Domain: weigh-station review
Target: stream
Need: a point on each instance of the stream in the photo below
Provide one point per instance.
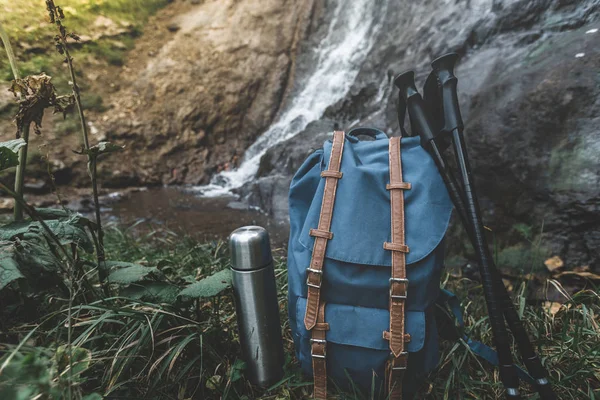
(204, 218)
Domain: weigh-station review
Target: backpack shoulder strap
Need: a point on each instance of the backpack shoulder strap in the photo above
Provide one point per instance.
(398, 282)
(314, 319)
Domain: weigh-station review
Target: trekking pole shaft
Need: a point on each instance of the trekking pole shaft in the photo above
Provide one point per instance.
(444, 70)
(508, 374)
(530, 358)
(451, 186)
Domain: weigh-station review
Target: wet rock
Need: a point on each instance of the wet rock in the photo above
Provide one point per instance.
(285, 158)
(211, 90)
(270, 193)
(278, 165)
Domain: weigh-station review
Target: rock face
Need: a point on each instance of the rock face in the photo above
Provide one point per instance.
(530, 96)
(209, 91)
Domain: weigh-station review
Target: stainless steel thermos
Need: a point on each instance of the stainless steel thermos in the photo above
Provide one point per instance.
(256, 304)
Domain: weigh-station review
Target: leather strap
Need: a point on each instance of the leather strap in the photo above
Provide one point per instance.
(315, 270)
(398, 282)
(396, 247)
(314, 319)
(319, 233)
(331, 174)
(395, 369)
(318, 351)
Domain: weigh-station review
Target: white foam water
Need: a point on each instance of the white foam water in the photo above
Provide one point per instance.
(337, 60)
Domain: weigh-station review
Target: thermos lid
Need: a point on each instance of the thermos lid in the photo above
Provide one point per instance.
(250, 248)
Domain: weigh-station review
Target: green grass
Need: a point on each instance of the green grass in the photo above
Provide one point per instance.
(27, 24)
(159, 351)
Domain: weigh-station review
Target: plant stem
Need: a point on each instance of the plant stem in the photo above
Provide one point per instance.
(24, 130)
(77, 95)
(70, 325)
(92, 164)
(20, 174)
(100, 250)
(11, 56)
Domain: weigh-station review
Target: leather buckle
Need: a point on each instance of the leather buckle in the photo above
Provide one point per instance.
(319, 273)
(321, 341)
(399, 296)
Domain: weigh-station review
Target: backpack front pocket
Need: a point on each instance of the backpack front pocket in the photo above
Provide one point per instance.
(355, 342)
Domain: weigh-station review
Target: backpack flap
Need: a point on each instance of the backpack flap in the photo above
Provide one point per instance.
(361, 217)
(362, 327)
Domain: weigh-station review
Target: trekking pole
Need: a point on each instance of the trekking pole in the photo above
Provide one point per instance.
(401, 113)
(453, 124)
(443, 68)
(419, 117)
(417, 112)
(420, 123)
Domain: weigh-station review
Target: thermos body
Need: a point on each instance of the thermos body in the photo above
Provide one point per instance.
(256, 305)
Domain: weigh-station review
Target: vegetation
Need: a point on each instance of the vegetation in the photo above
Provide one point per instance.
(109, 26)
(88, 312)
(147, 342)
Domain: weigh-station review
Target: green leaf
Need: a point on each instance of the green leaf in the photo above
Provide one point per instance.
(131, 274)
(69, 232)
(66, 231)
(80, 220)
(14, 229)
(209, 287)
(52, 213)
(151, 291)
(119, 264)
(92, 396)
(237, 370)
(9, 153)
(80, 359)
(9, 269)
(34, 255)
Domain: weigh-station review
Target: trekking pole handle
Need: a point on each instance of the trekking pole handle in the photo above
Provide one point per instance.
(405, 82)
(444, 70)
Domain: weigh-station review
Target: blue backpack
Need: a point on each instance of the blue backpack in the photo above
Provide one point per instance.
(365, 256)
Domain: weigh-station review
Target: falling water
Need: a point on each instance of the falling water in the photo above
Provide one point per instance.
(338, 58)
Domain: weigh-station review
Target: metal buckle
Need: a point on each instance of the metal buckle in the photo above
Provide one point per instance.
(404, 353)
(319, 273)
(324, 342)
(402, 280)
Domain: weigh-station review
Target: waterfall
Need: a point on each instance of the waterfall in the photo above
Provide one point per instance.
(337, 60)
